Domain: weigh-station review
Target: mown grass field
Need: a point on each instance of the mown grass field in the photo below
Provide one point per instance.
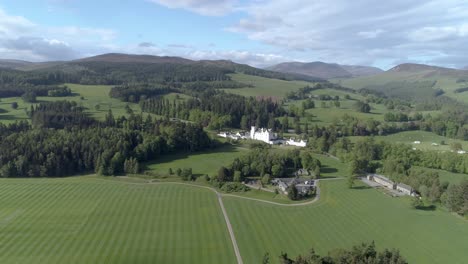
(93, 95)
(343, 218)
(426, 139)
(90, 220)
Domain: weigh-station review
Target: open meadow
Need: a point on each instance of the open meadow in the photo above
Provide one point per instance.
(425, 138)
(265, 86)
(95, 98)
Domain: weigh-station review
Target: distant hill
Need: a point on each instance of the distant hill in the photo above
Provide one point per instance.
(26, 65)
(357, 70)
(324, 70)
(409, 80)
(117, 68)
(131, 58)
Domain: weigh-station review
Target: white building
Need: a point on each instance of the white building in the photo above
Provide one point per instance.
(262, 134)
(461, 152)
(417, 142)
(406, 189)
(235, 136)
(300, 143)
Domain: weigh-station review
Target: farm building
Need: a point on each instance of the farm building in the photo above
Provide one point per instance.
(406, 189)
(382, 180)
(300, 143)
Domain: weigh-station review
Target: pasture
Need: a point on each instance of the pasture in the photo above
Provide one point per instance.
(342, 218)
(92, 220)
(96, 100)
(265, 86)
(426, 138)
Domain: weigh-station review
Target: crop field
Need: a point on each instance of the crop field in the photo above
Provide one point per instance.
(96, 100)
(265, 86)
(90, 220)
(426, 139)
(342, 218)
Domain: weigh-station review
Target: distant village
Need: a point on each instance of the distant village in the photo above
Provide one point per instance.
(265, 135)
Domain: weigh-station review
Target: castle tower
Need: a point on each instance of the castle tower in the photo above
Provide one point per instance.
(252, 132)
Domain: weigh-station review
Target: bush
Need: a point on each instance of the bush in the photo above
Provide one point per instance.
(234, 187)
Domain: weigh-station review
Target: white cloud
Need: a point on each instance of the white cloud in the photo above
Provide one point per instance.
(371, 34)
(351, 31)
(203, 7)
(23, 39)
(244, 57)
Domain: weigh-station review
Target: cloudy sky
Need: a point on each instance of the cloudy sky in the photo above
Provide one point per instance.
(257, 32)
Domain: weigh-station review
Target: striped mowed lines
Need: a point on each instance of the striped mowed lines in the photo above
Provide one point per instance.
(343, 218)
(94, 221)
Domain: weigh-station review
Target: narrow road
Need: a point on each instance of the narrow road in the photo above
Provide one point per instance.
(231, 232)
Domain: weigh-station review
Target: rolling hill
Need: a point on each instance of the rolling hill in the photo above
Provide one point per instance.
(410, 80)
(325, 70)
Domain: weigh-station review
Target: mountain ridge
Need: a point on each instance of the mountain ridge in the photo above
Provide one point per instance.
(325, 70)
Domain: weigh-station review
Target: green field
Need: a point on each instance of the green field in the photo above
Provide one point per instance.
(426, 139)
(204, 162)
(447, 176)
(103, 220)
(265, 86)
(343, 218)
(88, 220)
(93, 95)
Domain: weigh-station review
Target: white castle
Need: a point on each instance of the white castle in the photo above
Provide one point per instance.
(263, 134)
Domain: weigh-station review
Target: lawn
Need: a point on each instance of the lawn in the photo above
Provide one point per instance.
(204, 162)
(89, 220)
(343, 218)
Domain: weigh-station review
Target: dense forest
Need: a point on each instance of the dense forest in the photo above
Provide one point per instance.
(110, 147)
(218, 109)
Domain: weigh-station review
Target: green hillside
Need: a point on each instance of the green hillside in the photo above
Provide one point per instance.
(418, 83)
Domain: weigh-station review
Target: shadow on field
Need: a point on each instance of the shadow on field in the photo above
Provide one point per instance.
(326, 169)
(11, 117)
(427, 207)
(362, 187)
(177, 156)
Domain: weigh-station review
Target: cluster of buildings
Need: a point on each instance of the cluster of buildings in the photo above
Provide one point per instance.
(389, 184)
(264, 135)
(303, 186)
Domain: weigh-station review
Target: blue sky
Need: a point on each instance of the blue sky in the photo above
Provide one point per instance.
(257, 32)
